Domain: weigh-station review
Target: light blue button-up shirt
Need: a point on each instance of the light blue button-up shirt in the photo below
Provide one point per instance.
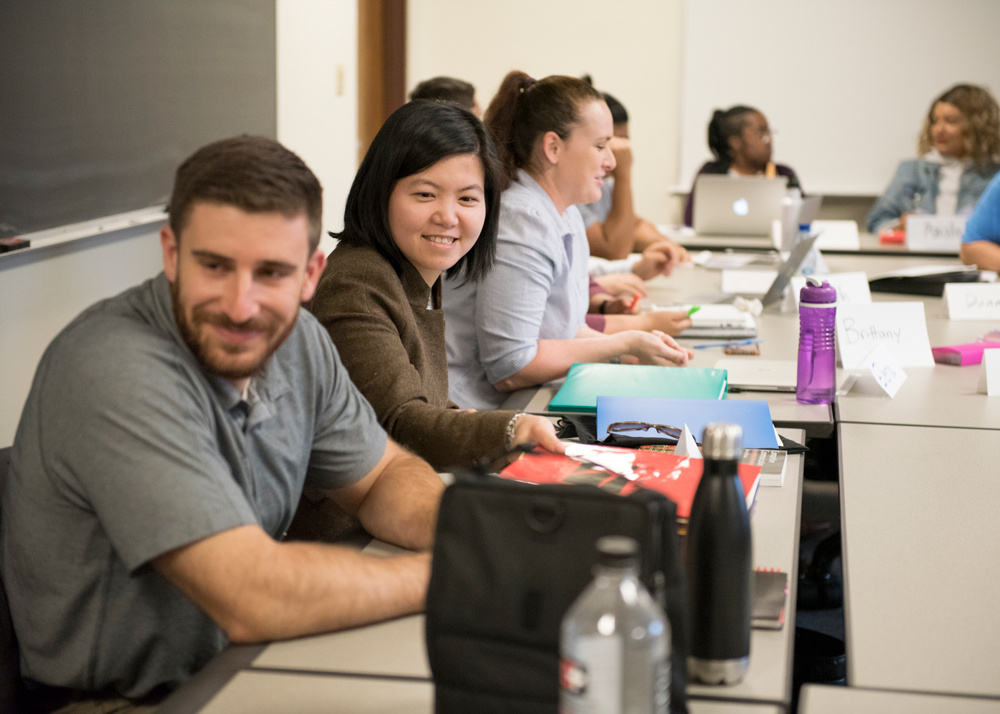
(538, 290)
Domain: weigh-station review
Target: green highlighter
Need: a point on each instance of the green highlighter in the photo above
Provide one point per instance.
(693, 310)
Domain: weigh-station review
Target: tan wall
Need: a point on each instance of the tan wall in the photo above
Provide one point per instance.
(631, 48)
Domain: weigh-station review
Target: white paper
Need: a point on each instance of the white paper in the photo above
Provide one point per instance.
(888, 375)
(917, 271)
(715, 316)
(989, 373)
(900, 325)
(686, 445)
(973, 301)
(852, 288)
(937, 233)
(747, 282)
(836, 235)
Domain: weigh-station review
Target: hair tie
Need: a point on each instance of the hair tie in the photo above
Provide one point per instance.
(527, 83)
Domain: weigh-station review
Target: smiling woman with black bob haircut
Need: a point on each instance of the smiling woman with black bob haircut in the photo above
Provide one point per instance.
(425, 202)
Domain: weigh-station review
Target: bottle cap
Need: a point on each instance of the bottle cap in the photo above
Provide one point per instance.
(722, 442)
(817, 293)
(618, 551)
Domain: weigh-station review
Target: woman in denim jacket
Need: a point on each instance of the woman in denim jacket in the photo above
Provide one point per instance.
(960, 153)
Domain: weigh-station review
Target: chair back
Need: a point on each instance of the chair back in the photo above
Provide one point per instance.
(11, 685)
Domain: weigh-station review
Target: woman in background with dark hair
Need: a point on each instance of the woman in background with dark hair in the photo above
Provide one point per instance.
(959, 151)
(425, 201)
(740, 140)
(523, 324)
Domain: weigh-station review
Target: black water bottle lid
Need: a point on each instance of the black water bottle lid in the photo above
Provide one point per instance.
(618, 551)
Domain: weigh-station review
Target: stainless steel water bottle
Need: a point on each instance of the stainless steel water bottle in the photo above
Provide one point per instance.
(719, 563)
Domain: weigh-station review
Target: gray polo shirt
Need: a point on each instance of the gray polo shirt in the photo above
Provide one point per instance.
(126, 449)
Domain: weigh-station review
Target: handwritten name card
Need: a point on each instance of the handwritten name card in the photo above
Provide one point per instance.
(937, 233)
(888, 375)
(973, 301)
(901, 326)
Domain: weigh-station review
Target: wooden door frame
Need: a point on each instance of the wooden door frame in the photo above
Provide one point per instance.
(381, 65)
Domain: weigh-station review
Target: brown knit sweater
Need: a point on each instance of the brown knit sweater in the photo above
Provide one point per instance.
(393, 346)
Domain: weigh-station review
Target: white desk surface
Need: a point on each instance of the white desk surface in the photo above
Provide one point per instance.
(396, 648)
(820, 699)
(252, 692)
(921, 558)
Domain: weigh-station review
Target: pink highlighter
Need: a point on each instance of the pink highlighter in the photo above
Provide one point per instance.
(962, 355)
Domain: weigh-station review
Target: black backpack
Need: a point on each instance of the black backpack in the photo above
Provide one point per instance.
(509, 560)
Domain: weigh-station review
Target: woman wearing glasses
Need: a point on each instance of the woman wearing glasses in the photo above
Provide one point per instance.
(523, 324)
(740, 140)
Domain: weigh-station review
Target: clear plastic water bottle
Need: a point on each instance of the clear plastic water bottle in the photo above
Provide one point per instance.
(719, 562)
(817, 374)
(813, 263)
(615, 644)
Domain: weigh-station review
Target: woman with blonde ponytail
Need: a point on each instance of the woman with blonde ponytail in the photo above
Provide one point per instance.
(523, 324)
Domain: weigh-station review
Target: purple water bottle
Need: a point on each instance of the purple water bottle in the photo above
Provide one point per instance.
(817, 377)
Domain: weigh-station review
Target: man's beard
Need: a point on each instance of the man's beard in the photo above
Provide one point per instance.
(269, 324)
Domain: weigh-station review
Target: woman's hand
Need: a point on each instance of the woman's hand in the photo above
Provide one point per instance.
(673, 322)
(654, 347)
(617, 283)
(537, 431)
(660, 258)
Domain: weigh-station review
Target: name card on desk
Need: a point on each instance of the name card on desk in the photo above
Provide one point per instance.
(888, 375)
(937, 233)
(989, 373)
(836, 235)
(852, 288)
(901, 326)
(973, 301)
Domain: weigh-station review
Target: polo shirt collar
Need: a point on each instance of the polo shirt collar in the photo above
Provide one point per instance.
(525, 179)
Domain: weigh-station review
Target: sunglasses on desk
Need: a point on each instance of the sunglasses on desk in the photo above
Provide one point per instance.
(622, 426)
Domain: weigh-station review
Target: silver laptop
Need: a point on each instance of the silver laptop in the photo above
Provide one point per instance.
(724, 205)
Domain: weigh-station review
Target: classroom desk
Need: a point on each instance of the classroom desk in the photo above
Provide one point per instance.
(821, 699)
(268, 692)
(921, 546)
(946, 395)
(395, 650)
(868, 245)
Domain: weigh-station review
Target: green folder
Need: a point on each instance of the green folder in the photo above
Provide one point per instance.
(586, 382)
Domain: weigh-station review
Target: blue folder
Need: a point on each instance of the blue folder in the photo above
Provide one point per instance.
(753, 416)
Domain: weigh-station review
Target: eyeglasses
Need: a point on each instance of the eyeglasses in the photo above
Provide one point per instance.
(620, 426)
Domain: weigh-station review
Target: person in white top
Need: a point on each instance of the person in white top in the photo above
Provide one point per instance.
(523, 324)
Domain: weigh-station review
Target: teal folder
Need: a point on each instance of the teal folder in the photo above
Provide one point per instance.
(586, 382)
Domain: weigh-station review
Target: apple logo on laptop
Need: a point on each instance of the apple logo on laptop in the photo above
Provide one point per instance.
(741, 207)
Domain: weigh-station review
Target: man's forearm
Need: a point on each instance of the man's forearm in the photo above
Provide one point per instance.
(620, 223)
(257, 589)
(311, 587)
(402, 506)
(982, 253)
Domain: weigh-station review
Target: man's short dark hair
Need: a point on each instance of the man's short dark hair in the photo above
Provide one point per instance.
(446, 89)
(252, 173)
(415, 137)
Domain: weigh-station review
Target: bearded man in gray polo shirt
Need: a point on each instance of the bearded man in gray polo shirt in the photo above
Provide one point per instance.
(167, 438)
